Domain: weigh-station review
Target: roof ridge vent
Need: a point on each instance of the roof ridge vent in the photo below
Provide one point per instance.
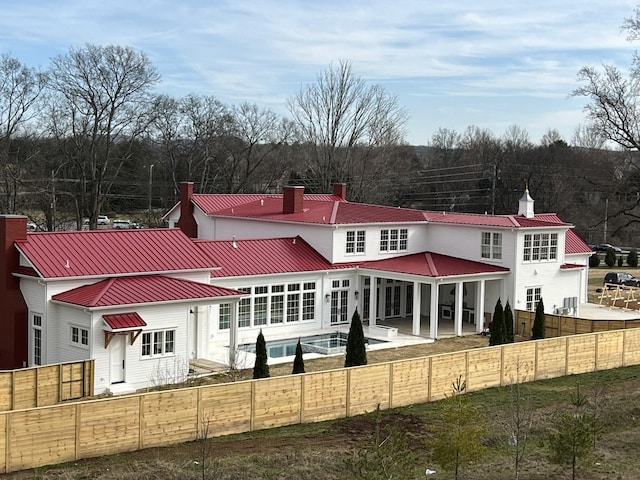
(234, 244)
(67, 265)
(294, 241)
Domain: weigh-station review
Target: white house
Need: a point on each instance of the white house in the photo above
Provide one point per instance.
(429, 266)
(143, 303)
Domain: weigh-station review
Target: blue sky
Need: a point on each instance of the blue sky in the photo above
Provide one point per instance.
(452, 64)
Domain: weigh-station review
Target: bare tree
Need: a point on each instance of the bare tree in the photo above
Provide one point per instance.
(100, 106)
(20, 90)
(345, 122)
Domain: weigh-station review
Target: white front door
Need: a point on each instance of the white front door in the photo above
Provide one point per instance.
(116, 351)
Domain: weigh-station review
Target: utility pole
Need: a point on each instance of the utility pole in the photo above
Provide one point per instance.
(606, 215)
(150, 189)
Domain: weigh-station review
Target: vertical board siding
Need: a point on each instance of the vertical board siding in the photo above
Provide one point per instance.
(368, 388)
(551, 358)
(410, 382)
(24, 395)
(226, 407)
(48, 435)
(581, 352)
(48, 390)
(6, 389)
(108, 425)
(445, 369)
(170, 417)
(325, 395)
(41, 436)
(485, 368)
(277, 402)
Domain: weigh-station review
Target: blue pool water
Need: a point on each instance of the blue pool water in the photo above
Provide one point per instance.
(325, 344)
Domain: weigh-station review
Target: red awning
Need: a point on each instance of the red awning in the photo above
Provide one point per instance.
(124, 320)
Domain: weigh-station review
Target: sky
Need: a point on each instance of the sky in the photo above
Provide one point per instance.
(451, 64)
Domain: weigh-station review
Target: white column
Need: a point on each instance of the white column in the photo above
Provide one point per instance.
(457, 319)
(479, 306)
(373, 300)
(233, 334)
(433, 311)
(416, 307)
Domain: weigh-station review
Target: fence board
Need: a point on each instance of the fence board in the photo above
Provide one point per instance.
(410, 382)
(227, 407)
(41, 436)
(609, 350)
(551, 358)
(369, 388)
(485, 368)
(632, 347)
(108, 426)
(169, 417)
(48, 386)
(325, 395)
(277, 402)
(518, 362)
(6, 389)
(24, 393)
(581, 351)
(445, 369)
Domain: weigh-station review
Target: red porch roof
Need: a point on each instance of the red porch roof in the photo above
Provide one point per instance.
(144, 289)
(432, 265)
(112, 252)
(124, 320)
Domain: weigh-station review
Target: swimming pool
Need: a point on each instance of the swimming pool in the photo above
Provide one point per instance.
(325, 344)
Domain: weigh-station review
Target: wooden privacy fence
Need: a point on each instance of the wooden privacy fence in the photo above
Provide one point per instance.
(47, 385)
(71, 431)
(559, 325)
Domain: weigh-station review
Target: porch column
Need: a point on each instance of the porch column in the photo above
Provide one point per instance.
(233, 335)
(433, 311)
(417, 293)
(479, 315)
(457, 318)
(373, 299)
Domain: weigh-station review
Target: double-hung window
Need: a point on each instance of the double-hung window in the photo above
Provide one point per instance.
(394, 240)
(159, 343)
(491, 246)
(540, 247)
(533, 297)
(355, 242)
(80, 336)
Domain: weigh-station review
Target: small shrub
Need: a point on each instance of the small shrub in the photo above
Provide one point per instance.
(537, 332)
(594, 260)
(610, 257)
(298, 361)
(620, 261)
(356, 347)
(632, 258)
(261, 368)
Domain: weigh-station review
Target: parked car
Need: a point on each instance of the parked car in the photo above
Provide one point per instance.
(31, 226)
(103, 220)
(632, 282)
(603, 247)
(619, 278)
(122, 224)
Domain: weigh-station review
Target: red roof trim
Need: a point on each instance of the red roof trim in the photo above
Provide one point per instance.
(124, 320)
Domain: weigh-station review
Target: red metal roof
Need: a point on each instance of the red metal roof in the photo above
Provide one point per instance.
(124, 320)
(432, 265)
(211, 203)
(509, 221)
(573, 243)
(112, 252)
(143, 289)
(264, 256)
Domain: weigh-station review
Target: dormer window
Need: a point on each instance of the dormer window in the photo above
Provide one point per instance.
(355, 242)
(394, 240)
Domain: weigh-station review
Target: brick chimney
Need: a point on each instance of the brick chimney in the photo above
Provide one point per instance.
(14, 320)
(187, 222)
(340, 190)
(292, 199)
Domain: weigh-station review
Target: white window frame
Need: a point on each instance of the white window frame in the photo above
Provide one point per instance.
(79, 336)
(394, 240)
(36, 323)
(155, 343)
(491, 245)
(540, 247)
(533, 296)
(355, 242)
